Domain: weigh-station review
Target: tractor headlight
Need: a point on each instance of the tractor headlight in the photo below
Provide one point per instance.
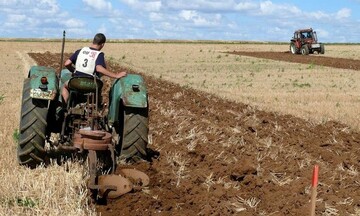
(43, 85)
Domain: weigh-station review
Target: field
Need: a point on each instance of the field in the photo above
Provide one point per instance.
(231, 133)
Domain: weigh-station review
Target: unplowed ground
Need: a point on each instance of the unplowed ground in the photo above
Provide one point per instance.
(217, 157)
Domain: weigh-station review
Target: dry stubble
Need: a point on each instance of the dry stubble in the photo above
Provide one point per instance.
(44, 191)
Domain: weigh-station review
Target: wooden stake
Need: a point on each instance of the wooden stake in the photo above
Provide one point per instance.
(315, 178)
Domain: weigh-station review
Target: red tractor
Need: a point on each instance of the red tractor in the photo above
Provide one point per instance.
(305, 41)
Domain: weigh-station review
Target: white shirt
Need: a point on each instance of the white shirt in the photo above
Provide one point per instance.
(86, 61)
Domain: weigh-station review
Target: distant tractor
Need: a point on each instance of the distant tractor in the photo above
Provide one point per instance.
(305, 41)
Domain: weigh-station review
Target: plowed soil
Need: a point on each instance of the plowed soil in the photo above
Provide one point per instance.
(217, 157)
(307, 59)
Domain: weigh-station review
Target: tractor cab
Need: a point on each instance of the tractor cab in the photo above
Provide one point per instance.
(307, 35)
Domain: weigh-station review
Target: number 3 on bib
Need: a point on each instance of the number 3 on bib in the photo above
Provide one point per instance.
(85, 63)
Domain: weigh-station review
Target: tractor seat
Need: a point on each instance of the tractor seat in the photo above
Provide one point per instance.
(84, 84)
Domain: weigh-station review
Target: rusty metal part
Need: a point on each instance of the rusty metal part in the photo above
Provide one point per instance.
(61, 148)
(138, 178)
(92, 159)
(92, 140)
(106, 186)
(92, 134)
(122, 184)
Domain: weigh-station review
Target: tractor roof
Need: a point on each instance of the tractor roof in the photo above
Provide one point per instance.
(304, 30)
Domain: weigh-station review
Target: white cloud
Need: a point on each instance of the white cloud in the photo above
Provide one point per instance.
(98, 5)
(268, 8)
(16, 18)
(153, 16)
(25, 13)
(245, 6)
(100, 8)
(79, 32)
(144, 5)
(200, 20)
(343, 13)
(188, 14)
(74, 23)
(135, 23)
(41, 19)
(318, 15)
(200, 5)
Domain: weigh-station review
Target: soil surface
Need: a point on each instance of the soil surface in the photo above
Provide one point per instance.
(316, 59)
(217, 157)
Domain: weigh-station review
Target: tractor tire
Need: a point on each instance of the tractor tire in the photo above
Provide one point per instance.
(304, 50)
(135, 134)
(293, 49)
(322, 49)
(33, 124)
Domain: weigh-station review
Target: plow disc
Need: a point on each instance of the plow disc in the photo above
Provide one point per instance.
(138, 178)
(133, 180)
(121, 186)
(110, 185)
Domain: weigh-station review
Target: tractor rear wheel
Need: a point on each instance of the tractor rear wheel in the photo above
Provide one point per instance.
(135, 134)
(294, 50)
(33, 125)
(304, 50)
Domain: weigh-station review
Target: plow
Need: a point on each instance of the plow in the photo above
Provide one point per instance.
(108, 185)
(86, 127)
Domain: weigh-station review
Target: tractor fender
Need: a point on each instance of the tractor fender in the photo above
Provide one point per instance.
(43, 83)
(65, 75)
(129, 91)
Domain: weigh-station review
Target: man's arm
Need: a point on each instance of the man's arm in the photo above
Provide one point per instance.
(72, 60)
(106, 72)
(69, 65)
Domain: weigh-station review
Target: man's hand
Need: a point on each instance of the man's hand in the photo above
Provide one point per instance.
(121, 74)
(104, 71)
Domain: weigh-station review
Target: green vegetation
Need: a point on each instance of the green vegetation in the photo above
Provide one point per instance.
(311, 66)
(16, 135)
(1, 98)
(26, 202)
(300, 85)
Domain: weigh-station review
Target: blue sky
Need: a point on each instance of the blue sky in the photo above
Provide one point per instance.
(265, 20)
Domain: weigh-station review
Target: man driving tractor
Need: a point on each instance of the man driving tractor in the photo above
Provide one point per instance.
(89, 62)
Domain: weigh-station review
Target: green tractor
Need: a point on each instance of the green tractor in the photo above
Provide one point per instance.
(127, 118)
(102, 133)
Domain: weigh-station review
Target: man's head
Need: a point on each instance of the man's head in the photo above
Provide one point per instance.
(99, 39)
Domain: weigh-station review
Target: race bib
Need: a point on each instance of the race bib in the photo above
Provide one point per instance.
(86, 60)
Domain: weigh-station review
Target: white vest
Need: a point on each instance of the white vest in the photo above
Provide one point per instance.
(86, 60)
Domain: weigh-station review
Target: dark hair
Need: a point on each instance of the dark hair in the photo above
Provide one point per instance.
(99, 39)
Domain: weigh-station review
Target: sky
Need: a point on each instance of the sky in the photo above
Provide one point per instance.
(336, 21)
